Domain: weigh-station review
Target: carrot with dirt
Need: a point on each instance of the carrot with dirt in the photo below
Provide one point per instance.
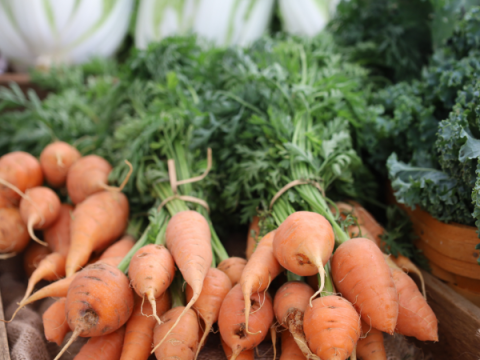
(151, 272)
(259, 272)
(57, 235)
(359, 270)
(188, 239)
(370, 346)
(215, 287)
(303, 244)
(55, 323)
(139, 329)
(290, 349)
(99, 302)
(96, 223)
(105, 347)
(233, 267)
(415, 317)
(332, 327)
(33, 255)
(19, 171)
(55, 160)
(184, 341)
(39, 208)
(253, 234)
(231, 323)
(14, 236)
(289, 305)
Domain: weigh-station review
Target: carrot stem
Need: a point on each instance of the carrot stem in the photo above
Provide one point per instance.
(176, 291)
(294, 277)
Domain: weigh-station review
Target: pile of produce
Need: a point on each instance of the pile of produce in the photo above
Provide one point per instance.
(202, 136)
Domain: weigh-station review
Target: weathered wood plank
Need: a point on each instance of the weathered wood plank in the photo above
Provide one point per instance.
(4, 351)
(458, 323)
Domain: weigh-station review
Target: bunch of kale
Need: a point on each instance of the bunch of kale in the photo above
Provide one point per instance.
(428, 129)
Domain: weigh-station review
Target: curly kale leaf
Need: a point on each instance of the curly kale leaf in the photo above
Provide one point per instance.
(433, 190)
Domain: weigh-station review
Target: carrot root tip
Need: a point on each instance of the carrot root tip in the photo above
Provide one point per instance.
(31, 221)
(74, 336)
(7, 255)
(153, 303)
(321, 271)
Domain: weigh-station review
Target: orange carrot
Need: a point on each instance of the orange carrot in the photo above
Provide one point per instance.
(415, 317)
(332, 327)
(407, 266)
(51, 268)
(5, 203)
(55, 160)
(189, 240)
(151, 272)
(96, 222)
(260, 270)
(215, 287)
(233, 267)
(252, 237)
(181, 344)
(244, 355)
(57, 235)
(19, 171)
(55, 322)
(230, 320)
(39, 209)
(99, 302)
(289, 305)
(87, 176)
(139, 328)
(303, 244)
(118, 250)
(33, 255)
(362, 276)
(105, 347)
(13, 232)
(370, 346)
(290, 349)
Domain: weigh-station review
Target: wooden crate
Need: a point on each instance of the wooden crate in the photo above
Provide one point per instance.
(4, 351)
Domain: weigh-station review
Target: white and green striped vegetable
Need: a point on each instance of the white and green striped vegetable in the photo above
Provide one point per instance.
(44, 32)
(224, 22)
(306, 17)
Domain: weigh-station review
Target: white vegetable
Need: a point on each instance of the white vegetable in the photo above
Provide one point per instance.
(224, 22)
(306, 17)
(42, 32)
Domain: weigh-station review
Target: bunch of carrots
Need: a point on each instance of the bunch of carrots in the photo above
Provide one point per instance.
(163, 293)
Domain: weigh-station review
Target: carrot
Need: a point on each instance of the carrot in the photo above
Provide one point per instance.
(99, 302)
(370, 346)
(57, 235)
(96, 222)
(415, 317)
(303, 244)
(139, 328)
(105, 347)
(363, 277)
(39, 209)
(51, 268)
(253, 233)
(13, 232)
(55, 322)
(407, 266)
(233, 267)
(117, 251)
(290, 349)
(332, 327)
(244, 355)
(19, 171)
(230, 321)
(151, 272)
(260, 270)
(215, 287)
(289, 306)
(183, 343)
(33, 255)
(5, 203)
(188, 238)
(55, 160)
(87, 176)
